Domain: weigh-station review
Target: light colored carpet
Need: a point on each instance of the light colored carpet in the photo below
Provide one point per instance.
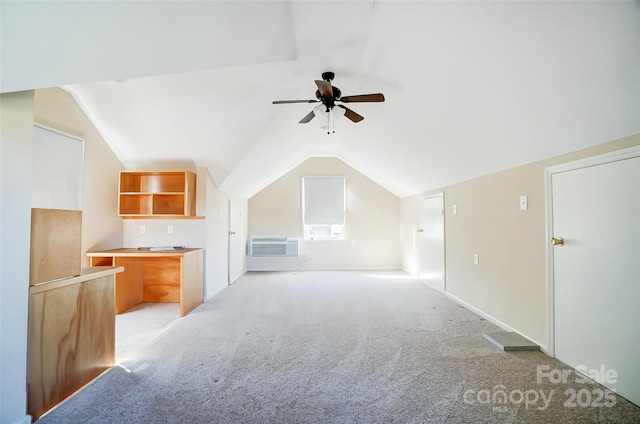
(139, 325)
(332, 347)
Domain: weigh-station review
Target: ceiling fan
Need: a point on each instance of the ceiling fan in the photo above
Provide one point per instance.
(328, 95)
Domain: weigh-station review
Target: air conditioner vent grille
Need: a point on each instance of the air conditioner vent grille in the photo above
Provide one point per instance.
(269, 239)
(274, 246)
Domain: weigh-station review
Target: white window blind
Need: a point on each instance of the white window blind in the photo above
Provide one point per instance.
(324, 200)
(57, 169)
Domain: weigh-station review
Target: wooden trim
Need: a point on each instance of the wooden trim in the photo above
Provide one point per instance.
(191, 282)
(161, 217)
(135, 252)
(129, 290)
(87, 274)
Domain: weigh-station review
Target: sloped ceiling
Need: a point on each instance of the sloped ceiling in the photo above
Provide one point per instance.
(471, 87)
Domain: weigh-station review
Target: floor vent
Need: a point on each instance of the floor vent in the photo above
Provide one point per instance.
(507, 340)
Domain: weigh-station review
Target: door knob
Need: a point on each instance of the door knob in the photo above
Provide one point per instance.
(231, 233)
(557, 241)
(421, 230)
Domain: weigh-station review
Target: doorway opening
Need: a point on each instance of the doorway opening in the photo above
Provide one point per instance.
(431, 242)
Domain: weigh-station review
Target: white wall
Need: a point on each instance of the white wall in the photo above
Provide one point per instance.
(186, 232)
(509, 284)
(245, 232)
(16, 137)
(409, 210)
(372, 221)
(217, 253)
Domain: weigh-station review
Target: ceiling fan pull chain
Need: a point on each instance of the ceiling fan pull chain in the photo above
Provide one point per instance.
(334, 121)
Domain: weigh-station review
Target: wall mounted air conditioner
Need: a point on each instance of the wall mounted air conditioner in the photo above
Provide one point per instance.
(268, 253)
(265, 246)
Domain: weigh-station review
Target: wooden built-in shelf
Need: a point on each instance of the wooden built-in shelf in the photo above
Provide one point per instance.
(157, 194)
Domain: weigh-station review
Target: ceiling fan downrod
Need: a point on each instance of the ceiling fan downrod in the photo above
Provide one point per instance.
(328, 76)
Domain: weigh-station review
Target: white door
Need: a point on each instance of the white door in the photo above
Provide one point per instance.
(236, 251)
(431, 236)
(596, 272)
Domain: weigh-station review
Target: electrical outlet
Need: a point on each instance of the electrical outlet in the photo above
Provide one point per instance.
(143, 229)
(475, 259)
(170, 229)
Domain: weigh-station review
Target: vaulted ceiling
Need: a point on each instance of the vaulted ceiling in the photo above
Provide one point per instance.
(471, 87)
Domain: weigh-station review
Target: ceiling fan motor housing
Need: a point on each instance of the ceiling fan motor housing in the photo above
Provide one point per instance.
(329, 102)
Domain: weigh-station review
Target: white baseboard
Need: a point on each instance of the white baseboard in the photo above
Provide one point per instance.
(215, 292)
(274, 264)
(368, 268)
(494, 320)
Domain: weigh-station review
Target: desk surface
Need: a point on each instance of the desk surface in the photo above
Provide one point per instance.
(142, 252)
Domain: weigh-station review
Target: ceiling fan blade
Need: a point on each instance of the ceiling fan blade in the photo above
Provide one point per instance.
(280, 102)
(376, 97)
(325, 88)
(351, 114)
(307, 118)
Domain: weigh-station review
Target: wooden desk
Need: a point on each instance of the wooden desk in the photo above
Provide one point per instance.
(155, 276)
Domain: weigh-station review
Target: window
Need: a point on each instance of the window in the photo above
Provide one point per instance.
(323, 207)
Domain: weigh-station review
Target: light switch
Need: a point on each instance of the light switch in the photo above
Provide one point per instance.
(455, 209)
(143, 229)
(523, 203)
(475, 259)
(170, 229)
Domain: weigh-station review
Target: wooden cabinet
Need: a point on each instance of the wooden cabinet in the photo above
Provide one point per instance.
(157, 194)
(71, 335)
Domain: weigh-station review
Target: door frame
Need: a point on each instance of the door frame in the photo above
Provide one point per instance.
(238, 233)
(444, 239)
(614, 156)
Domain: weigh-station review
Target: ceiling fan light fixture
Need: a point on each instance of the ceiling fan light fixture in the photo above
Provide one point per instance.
(320, 110)
(338, 112)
